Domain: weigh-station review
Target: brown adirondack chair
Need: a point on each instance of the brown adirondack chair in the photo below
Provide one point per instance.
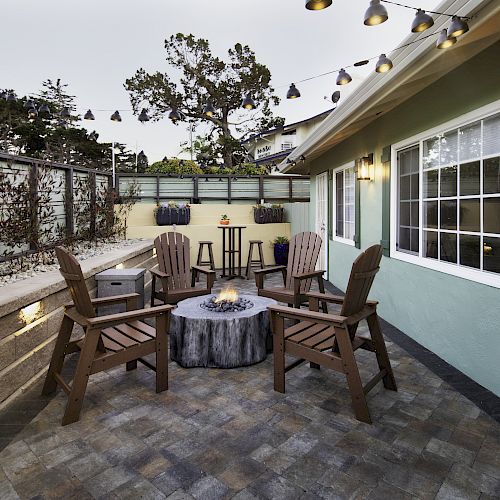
(297, 274)
(108, 341)
(330, 340)
(176, 275)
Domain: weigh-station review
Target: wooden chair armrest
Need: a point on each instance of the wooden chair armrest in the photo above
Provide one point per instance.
(310, 274)
(203, 269)
(305, 315)
(158, 273)
(114, 299)
(268, 270)
(335, 299)
(116, 319)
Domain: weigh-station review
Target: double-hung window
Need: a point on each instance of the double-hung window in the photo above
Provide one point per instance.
(446, 199)
(344, 186)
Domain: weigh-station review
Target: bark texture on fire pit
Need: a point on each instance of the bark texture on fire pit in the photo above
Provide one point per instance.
(199, 337)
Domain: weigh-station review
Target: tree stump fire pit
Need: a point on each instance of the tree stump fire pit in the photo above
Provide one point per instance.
(224, 331)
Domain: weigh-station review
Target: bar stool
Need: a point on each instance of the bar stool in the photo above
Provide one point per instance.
(251, 260)
(200, 261)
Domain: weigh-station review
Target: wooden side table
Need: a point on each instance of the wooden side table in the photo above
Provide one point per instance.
(233, 249)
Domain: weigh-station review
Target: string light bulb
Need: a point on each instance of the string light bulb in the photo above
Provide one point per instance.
(44, 110)
(89, 115)
(143, 116)
(208, 109)
(375, 14)
(444, 41)
(65, 113)
(421, 22)
(318, 4)
(293, 92)
(115, 117)
(248, 102)
(343, 77)
(458, 26)
(174, 115)
(384, 64)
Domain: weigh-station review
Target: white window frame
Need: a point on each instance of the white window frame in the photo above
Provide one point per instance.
(340, 239)
(479, 276)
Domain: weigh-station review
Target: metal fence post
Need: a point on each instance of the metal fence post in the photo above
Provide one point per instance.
(33, 190)
(68, 202)
(261, 188)
(93, 201)
(229, 189)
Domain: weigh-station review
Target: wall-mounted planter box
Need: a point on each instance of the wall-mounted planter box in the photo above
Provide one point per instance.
(264, 215)
(166, 216)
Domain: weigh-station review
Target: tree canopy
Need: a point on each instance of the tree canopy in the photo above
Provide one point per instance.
(197, 77)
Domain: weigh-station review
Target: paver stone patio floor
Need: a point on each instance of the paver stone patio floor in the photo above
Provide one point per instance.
(227, 434)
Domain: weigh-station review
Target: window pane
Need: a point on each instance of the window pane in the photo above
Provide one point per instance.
(349, 230)
(431, 153)
(470, 214)
(470, 142)
(449, 181)
(491, 168)
(448, 247)
(404, 213)
(470, 248)
(431, 244)
(404, 239)
(469, 178)
(431, 214)
(448, 214)
(448, 151)
(491, 215)
(491, 255)
(414, 240)
(414, 190)
(431, 184)
(491, 135)
(339, 185)
(404, 188)
(414, 214)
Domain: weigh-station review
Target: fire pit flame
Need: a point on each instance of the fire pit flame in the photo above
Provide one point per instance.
(227, 300)
(227, 294)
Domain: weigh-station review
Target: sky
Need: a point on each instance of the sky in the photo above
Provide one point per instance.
(95, 45)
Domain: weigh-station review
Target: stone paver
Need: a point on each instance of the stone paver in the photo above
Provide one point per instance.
(226, 434)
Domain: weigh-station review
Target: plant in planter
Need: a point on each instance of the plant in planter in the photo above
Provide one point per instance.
(268, 213)
(281, 245)
(224, 220)
(172, 213)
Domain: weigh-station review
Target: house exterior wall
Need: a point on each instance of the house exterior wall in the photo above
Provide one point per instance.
(456, 318)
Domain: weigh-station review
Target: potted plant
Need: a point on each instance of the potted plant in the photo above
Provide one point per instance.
(268, 213)
(224, 220)
(281, 245)
(168, 214)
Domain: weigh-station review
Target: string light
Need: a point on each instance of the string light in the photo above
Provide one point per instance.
(384, 64)
(248, 102)
(343, 77)
(293, 92)
(318, 4)
(421, 22)
(89, 115)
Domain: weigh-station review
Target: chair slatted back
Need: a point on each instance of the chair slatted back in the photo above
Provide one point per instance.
(302, 257)
(72, 272)
(363, 272)
(172, 251)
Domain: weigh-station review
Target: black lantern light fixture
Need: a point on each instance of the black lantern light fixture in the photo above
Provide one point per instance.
(143, 116)
(89, 115)
(421, 22)
(174, 115)
(293, 92)
(208, 109)
(248, 102)
(115, 117)
(444, 41)
(384, 64)
(365, 168)
(458, 26)
(65, 113)
(318, 4)
(375, 14)
(343, 77)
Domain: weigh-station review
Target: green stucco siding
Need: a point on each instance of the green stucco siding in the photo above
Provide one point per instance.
(457, 319)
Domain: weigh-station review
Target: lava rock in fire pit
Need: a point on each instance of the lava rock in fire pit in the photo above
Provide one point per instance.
(214, 304)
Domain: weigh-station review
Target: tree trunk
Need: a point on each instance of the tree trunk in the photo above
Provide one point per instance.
(227, 150)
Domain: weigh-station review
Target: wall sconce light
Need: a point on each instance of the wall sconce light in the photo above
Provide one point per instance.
(120, 266)
(30, 313)
(365, 168)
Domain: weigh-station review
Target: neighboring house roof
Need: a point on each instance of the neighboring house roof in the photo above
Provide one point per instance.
(415, 67)
(286, 127)
(273, 157)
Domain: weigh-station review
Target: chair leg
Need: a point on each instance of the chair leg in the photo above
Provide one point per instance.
(249, 261)
(153, 290)
(351, 371)
(321, 286)
(382, 357)
(57, 361)
(278, 329)
(211, 257)
(162, 325)
(80, 380)
(196, 276)
(261, 257)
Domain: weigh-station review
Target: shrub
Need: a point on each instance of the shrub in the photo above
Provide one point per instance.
(175, 166)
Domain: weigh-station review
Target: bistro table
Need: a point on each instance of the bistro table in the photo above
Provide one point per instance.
(233, 249)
